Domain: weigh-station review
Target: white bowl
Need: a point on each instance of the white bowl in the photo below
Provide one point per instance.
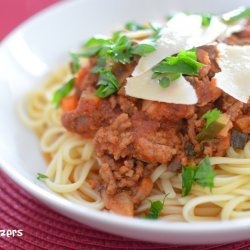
(40, 45)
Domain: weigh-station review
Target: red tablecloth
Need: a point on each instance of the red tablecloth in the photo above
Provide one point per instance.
(42, 227)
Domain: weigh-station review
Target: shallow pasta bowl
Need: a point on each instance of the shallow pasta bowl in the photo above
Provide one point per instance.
(40, 45)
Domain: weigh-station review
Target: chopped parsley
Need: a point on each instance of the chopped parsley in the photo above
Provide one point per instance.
(203, 174)
(187, 179)
(107, 84)
(155, 209)
(142, 49)
(75, 66)
(41, 176)
(206, 19)
(133, 26)
(62, 92)
(170, 69)
(118, 49)
(236, 15)
(211, 116)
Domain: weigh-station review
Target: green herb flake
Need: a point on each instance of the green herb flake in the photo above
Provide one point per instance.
(99, 67)
(155, 209)
(41, 176)
(107, 84)
(187, 179)
(75, 62)
(211, 116)
(62, 92)
(206, 19)
(143, 49)
(185, 63)
(119, 50)
(236, 15)
(203, 174)
(133, 26)
(92, 47)
(156, 32)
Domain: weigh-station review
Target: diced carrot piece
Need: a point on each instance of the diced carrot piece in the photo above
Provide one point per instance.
(69, 103)
(213, 82)
(80, 74)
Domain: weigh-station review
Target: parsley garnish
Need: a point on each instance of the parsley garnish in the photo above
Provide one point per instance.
(211, 116)
(108, 84)
(133, 26)
(206, 19)
(142, 49)
(75, 62)
(62, 92)
(41, 176)
(156, 32)
(169, 70)
(203, 174)
(236, 15)
(118, 49)
(187, 179)
(155, 209)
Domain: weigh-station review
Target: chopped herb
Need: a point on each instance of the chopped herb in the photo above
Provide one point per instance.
(211, 116)
(133, 26)
(108, 84)
(213, 128)
(119, 50)
(156, 32)
(155, 209)
(187, 179)
(165, 81)
(41, 176)
(142, 49)
(75, 62)
(236, 15)
(169, 17)
(62, 92)
(184, 63)
(206, 20)
(101, 62)
(203, 174)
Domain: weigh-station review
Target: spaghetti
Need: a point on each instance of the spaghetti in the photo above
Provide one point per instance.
(72, 163)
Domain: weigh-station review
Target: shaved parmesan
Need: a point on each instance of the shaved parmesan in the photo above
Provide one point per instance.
(182, 32)
(179, 91)
(234, 78)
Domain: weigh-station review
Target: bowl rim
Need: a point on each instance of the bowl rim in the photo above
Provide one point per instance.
(199, 228)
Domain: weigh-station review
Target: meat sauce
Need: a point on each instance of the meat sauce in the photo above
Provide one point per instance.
(133, 136)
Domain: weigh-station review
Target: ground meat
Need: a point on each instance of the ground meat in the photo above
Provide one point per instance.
(91, 114)
(133, 136)
(217, 146)
(243, 124)
(231, 106)
(166, 111)
(205, 91)
(137, 137)
(240, 38)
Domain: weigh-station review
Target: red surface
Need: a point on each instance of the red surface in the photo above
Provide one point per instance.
(13, 12)
(42, 227)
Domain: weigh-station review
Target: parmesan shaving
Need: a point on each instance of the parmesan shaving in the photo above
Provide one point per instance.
(234, 78)
(144, 87)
